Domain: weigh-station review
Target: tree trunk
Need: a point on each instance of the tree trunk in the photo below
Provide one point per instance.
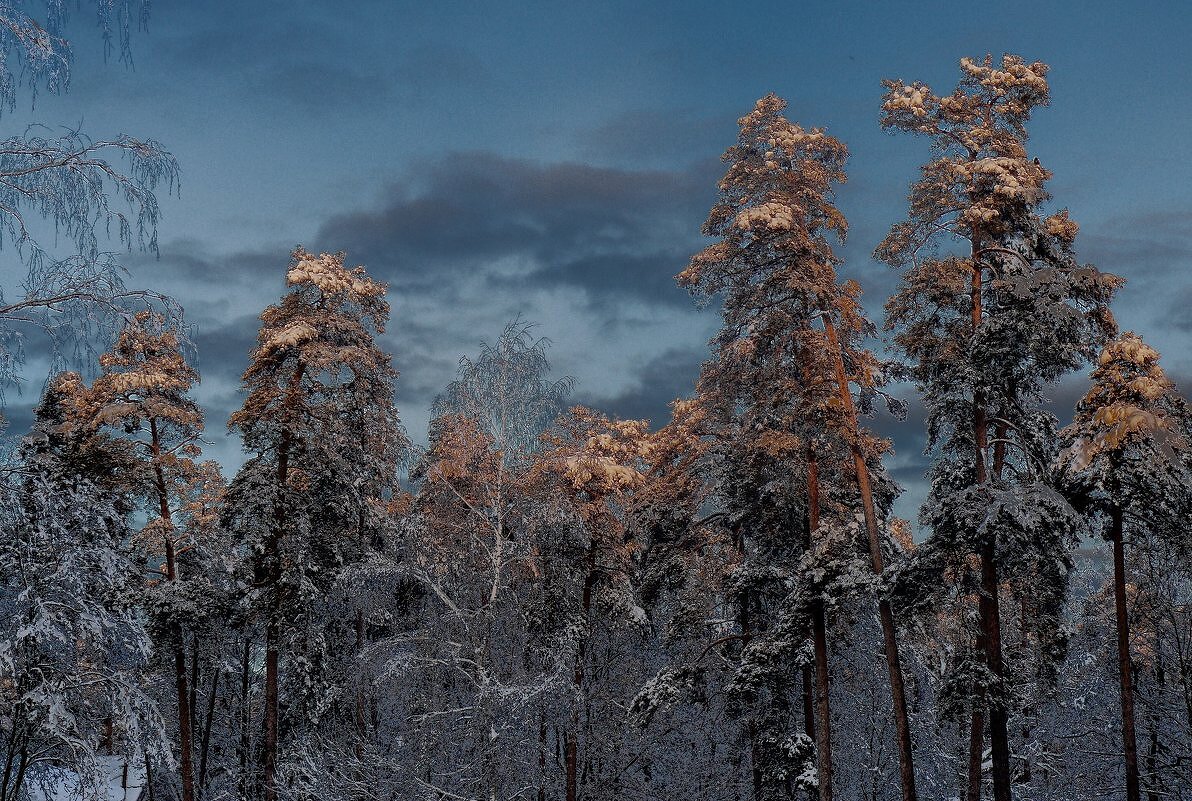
(991, 628)
(976, 749)
(819, 632)
(186, 767)
(206, 736)
(272, 579)
(272, 559)
(572, 746)
(245, 721)
(808, 703)
(999, 740)
(269, 761)
(1129, 746)
(902, 726)
(184, 731)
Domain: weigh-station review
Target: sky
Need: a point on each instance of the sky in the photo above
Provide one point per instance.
(556, 160)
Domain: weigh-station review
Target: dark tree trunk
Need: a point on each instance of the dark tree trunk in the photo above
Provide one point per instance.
(1129, 745)
(999, 740)
(186, 766)
(205, 743)
(902, 726)
(245, 721)
(819, 633)
(976, 749)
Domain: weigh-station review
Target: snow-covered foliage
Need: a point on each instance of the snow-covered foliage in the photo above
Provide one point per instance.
(74, 650)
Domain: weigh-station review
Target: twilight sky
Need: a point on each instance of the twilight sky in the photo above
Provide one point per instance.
(556, 160)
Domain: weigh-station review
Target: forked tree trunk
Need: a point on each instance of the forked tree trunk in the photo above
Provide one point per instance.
(1125, 672)
(902, 726)
(819, 633)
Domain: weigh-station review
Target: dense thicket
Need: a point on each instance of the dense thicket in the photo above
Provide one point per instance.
(546, 602)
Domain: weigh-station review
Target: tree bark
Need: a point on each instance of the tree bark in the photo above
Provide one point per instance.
(186, 766)
(988, 606)
(272, 580)
(245, 720)
(206, 736)
(571, 758)
(819, 633)
(998, 718)
(902, 726)
(976, 748)
(1125, 673)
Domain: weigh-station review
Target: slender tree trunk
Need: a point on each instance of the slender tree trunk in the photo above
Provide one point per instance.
(269, 761)
(186, 766)
(990, 615)
(206, 736)
(245, 721)
(541, 755)
(148, 777)
(572, 745)
(272, 580)
(184, 731)
(998, 718)
(1129, 746)
(902, 726)
(272, 558)
(22, 763)
(819, 632)
(808, 703)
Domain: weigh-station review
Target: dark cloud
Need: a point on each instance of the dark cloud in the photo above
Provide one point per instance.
(669, 375)
(516, 224)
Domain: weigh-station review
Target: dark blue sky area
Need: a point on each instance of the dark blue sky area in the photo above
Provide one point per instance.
(557, 159)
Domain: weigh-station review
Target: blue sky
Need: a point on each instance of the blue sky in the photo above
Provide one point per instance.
(556, 160)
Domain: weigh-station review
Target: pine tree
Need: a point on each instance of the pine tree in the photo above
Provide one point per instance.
(1126, 458)
(324, 438)
(595, 464)
(143, 392)
(986, 330)
(785, 360)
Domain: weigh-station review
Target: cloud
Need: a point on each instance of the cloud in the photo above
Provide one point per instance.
(663, 378)
(517, 224)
